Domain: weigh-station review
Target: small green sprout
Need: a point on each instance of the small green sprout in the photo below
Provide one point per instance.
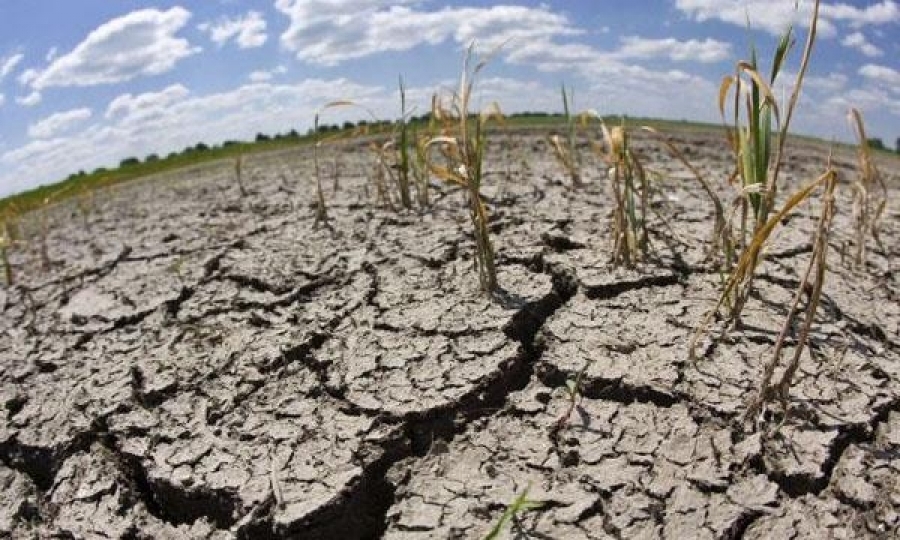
(574, 392)
(521, 504)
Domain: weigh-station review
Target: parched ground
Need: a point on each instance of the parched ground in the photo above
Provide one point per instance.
(196, 364)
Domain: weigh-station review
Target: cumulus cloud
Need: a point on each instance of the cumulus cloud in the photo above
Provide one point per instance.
(248, 31)
(692, 50)
(774, 15)
(881, 75)
(58, 123)
(832, 82)
(325, 32)
(266, 75)
(29, 100)
(871, 101)
(858, 41)
(140, 43)
(147, 104)
(28, 76)
(883, 12)
(9, 63)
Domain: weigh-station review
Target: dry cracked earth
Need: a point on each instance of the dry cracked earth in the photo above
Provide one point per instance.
(200, 365)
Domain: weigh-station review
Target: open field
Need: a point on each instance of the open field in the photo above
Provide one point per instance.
(199, 364)
(81, 185)
(78, 185)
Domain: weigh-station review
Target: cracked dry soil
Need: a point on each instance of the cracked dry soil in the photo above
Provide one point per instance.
(198, 365)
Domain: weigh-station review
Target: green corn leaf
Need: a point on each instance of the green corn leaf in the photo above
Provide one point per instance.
(784, 45)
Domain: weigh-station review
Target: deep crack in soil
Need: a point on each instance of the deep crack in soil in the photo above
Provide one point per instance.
(202, 365)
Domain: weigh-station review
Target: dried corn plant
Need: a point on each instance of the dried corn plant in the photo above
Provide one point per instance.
(5, 243)
(810, 288)
(631, 192)
(44, 232)
(383, 172)
(403, 161)
(420, 171)
(238, 167)
(758, 157)
(321, 206)
(565, 149)
(752, 253)
(869, 194)
(400, 163)
(461, 143)
(84, 201)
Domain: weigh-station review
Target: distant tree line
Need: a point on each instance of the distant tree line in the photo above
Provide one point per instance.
(877, 144)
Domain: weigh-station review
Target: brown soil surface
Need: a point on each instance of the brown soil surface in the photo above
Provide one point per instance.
(199, 365)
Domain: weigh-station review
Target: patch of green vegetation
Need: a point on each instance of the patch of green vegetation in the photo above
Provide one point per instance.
(511, 515)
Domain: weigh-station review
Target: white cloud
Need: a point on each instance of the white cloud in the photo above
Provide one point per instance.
(326, 32)
(140, 43)
(832, 82)
(773, 16)
(322, 31)
(51, 54)
(882, 75)
(58, 123)
(9, 63)
(248, 31)
(2, 100)
(858, 41)
(266, 75)
(30, 100)
(871, 101)
(28, 76)
(883, 12)
(260, 76)
(692, 50)
(145, 105)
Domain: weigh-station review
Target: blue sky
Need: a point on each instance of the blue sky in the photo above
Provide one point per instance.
(87, 83)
